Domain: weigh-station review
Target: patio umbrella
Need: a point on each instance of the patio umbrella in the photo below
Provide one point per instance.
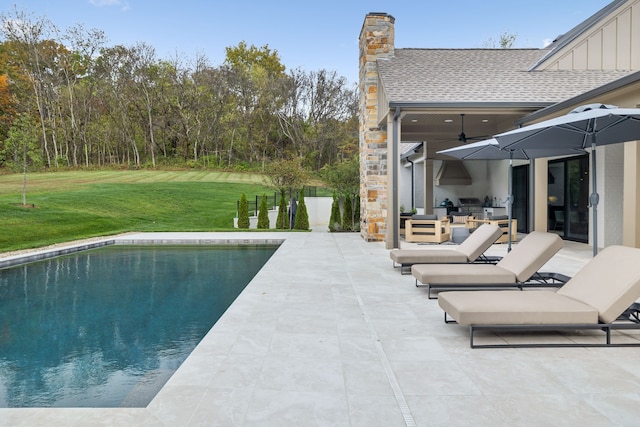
(587, 126)
(489, 149)
(486, 150)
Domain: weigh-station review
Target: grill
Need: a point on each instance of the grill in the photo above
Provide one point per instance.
(471, 205)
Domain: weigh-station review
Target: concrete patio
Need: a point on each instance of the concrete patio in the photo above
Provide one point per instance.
(329, 334)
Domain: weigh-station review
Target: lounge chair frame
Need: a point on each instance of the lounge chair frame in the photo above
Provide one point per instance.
(629, 320)
(405, 268)
(539, 279)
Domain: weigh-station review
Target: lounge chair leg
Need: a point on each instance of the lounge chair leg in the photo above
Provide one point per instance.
(447, 320)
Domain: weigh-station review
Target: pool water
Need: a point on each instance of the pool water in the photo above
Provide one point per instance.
(109, 326)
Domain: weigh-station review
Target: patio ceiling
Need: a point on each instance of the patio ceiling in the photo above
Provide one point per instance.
(441, 129)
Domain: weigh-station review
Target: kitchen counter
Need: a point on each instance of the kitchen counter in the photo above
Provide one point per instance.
(478, 211)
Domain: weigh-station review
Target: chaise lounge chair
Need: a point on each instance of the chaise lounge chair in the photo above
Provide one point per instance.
(519, 268)
(601, 296)
(471, 250)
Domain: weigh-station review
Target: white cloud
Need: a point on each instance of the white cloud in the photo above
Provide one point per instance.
(124, 6)
(101, 3)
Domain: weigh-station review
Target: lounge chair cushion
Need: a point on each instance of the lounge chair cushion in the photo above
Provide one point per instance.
(417, 256)
(473, 246)
(515, 308)
(517, 266)
(479, 241)
(610, 282)
(531, 254)
(467, 274)
(606, 286)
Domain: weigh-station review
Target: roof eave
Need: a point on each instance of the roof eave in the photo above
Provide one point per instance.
(580, 99)
(457, 105)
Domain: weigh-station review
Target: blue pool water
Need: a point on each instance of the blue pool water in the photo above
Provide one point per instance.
(109, 326)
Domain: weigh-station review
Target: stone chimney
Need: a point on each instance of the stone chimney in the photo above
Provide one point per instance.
(376, 42)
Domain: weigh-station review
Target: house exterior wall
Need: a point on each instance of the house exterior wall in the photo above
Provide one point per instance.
(611, 195)
(376, 41)
(613, 44)
(631, 195)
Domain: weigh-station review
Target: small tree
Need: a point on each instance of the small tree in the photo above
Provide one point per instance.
(243, 212)
(356, 213)
(287, 176)
(344, 177)
(505, 41)
(263, 214)
(302, 217)
(282, 222)
(347, 214)
(334, 220)
(21, 149)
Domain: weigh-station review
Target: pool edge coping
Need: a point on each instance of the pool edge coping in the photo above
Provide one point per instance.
(20, 259)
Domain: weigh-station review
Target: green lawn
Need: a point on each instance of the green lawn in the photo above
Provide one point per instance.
(77, 205)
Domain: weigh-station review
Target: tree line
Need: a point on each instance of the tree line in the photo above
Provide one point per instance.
(70, 100)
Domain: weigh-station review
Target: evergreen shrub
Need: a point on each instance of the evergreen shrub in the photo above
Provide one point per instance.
(263, 214)
(243, 212)
(302, 217)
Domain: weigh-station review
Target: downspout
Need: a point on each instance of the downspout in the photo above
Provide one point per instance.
(413, 182)
(395, 208)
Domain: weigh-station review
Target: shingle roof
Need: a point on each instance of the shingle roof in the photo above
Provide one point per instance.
(481, 75)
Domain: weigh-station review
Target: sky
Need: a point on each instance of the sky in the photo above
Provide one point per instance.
(322, 34)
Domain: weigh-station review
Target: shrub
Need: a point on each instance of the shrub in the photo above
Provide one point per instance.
(263, 214)
(356, 214)
(243, 212)
(347, 214)
(302, 217)
(282, 222)
(334, 219)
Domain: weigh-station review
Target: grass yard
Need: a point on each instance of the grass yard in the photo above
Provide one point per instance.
(78, 205)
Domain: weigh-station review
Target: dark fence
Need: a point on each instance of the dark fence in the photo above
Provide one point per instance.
(272, 200)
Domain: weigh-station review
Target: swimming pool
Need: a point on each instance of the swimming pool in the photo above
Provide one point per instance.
(108, 327)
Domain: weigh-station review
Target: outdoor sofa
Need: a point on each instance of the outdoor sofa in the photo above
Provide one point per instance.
(600, 297)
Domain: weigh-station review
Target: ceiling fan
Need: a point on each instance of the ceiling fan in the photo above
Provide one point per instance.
(463, 137)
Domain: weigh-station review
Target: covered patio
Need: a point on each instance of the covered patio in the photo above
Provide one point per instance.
(422, 96)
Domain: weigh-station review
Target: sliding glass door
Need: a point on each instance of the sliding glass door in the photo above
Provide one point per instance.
(521, 197)
(568, 191)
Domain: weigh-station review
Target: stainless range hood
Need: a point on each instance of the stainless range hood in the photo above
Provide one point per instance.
(452, 172)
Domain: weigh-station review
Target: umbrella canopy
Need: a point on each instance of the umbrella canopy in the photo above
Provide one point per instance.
(481, 150)
(584, 127)
(587, 126)
(489, 149)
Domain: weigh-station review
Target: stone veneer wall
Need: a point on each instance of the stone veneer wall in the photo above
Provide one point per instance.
(376, 41)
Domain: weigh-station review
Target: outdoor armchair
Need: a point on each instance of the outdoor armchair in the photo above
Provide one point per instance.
(427, 228)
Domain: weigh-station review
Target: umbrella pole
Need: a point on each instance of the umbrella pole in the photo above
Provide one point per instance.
(510, 200)
(594, 199)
